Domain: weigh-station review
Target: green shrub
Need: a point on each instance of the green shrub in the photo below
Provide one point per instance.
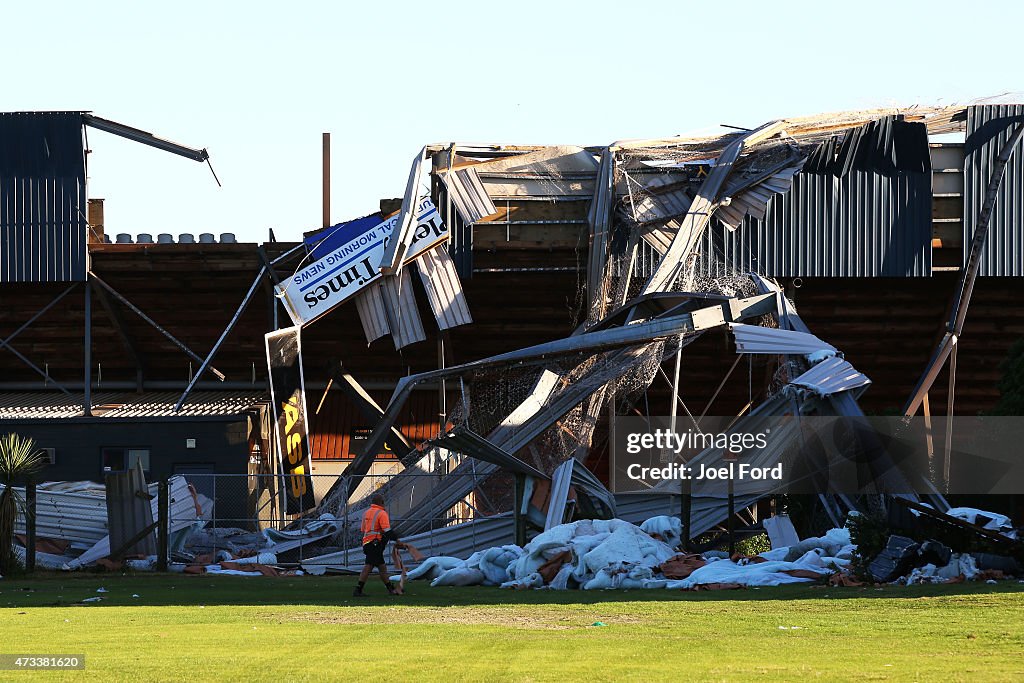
(869, 533)
(754, 545)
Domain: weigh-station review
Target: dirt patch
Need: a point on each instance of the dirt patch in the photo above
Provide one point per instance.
(531, 618)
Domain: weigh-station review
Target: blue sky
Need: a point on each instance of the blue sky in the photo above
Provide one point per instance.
(257, 83)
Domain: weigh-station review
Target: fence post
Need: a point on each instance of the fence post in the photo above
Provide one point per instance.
(348, 542)
(163, 525)
(30, 526)
(520, 521)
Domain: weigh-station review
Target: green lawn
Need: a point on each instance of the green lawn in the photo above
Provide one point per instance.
(305, 628)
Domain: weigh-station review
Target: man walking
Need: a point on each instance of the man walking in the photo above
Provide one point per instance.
(376, 528)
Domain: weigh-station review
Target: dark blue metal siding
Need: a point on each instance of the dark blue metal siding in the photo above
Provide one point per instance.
(43, 231)
(988, 127)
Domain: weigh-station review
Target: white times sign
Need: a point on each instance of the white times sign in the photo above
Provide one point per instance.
(324, 284)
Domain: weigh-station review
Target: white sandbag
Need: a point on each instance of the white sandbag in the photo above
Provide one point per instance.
(258, 558)
(627, 544)
(669, 529)
(831, 544)
(754, 574)
(561, 580)
(494, 563)
(775, 553)
(431, 568)
(530, 581)
(459, 576)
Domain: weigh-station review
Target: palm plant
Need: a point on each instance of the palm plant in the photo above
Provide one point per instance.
(19, 458)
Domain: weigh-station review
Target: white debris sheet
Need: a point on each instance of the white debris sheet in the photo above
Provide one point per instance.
(992, 521)
(608, 554)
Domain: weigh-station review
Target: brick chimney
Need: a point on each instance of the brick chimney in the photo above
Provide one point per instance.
(95, 220)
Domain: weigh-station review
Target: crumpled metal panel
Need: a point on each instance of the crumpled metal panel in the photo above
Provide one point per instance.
(468, 194)
(769, 340)
(600, 218)
(754, 201)
(79, 515)
(468, 442)
(444, 289)
(658, 207)
(403, 314)
(560, 171)
(182, 514)
(831, 376)
(372, 313)
(560, 482)
(129, 513)
(573, 473)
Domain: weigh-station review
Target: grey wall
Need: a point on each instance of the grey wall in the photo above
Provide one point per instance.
(221, 443)
(42, 197)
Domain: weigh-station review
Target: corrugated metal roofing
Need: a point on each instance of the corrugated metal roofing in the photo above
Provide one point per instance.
(468, 193)
(988, 127)
(754, 202)
(444, 289)
(831, 376)
(32, 405)
(372, 314)
(861, 207)
(769, 340)
(402, 313)
(43, 231)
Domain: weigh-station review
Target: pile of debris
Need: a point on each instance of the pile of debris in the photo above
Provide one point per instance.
(614, 554)
(73, 527)
(74, 530)
(668, 203)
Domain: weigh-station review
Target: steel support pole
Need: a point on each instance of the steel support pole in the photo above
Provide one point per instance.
(30, 526)
(224, 335)
(163, 525)
(138, 311)
(948, 446)
(87, 353)
(520, 519)
(327, 180)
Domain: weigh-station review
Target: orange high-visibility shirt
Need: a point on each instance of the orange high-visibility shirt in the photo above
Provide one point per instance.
(375, 523)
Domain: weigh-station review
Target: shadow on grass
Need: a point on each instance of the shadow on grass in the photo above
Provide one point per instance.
(65, 590)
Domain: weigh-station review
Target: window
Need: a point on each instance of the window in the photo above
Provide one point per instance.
(125, 459)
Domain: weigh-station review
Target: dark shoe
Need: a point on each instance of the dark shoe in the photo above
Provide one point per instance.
(393, 591)
(358, 593)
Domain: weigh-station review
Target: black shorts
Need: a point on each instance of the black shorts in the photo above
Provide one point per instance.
(374, 551)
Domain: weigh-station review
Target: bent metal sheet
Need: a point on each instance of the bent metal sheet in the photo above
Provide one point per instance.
(326, 283)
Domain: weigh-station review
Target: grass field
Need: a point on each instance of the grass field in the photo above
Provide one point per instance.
(304, 628)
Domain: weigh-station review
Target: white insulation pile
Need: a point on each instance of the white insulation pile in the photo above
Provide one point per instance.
(600, 554)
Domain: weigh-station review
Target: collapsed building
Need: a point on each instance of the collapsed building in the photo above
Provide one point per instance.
(781, 269)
